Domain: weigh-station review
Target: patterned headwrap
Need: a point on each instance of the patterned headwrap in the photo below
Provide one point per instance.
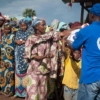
(7, 17)
(23, 21)
(13, 23)
(7, 25)
(60, 25)
(36, 21)
(14, 26)
(65, 27)
(55, 24)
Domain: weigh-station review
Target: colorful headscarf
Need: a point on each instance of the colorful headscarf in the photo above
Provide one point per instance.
(55, 24)
(36, 21)
(65, 27)
(60, 25)
(14, 26)
(7, 25)
(23, 21)
(7, 17)
(13, 23)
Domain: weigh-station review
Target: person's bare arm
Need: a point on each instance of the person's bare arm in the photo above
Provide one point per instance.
(36, 57)
(63, 48)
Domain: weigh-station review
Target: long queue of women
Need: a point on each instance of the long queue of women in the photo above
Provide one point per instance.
(32, 62)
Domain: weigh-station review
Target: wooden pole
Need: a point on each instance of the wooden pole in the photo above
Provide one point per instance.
(82, 12)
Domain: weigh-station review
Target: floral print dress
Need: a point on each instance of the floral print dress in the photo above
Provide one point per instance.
(21, 65)
(7, 64)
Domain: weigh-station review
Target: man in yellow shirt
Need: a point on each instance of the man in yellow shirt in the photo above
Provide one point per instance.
(72, 73)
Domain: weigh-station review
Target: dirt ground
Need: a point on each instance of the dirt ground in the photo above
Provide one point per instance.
(2, 97)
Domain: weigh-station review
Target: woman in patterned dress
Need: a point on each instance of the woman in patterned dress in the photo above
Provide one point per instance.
(7, 61)
(37, 50)
(21, 65)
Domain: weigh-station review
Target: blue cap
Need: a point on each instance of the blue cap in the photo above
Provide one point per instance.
(95, 9)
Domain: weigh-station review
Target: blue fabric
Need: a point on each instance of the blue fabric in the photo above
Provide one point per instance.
(89, 92)
(36, 21)
(21, 65)
(89, 38)
(29, 18)
(23, 21)
(95, 9)
(70, 94)
(7, 64)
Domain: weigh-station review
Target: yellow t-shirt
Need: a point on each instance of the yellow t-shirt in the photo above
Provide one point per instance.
(72, 73)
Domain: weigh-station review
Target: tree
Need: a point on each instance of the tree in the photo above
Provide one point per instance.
(29, 13)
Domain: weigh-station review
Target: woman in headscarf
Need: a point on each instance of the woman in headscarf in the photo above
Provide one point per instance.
(21, 66)
(7, 62)
(14, 27)
(38, 51)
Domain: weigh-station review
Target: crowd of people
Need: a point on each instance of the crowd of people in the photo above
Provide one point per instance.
(56, 62)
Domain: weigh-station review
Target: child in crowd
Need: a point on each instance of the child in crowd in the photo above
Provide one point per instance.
(72, 72)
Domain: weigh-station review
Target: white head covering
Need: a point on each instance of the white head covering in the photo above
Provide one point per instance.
(34, 17)
(7, 17)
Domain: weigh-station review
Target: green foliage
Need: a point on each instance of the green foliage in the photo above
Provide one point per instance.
(29, 12)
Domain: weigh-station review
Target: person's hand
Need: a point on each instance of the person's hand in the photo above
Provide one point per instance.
(50, 28)
(50, 55)
(23, 41)
(27, 60)
(84, 25)
(19, 42)
(66, 33)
